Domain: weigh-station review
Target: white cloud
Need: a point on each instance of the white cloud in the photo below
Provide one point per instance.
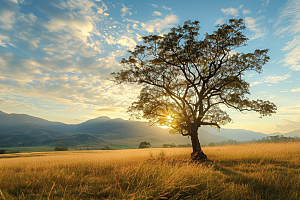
(245, 12)
(156, 13)
(7, 19)
(276, 79)
(289, 23)
(138, 37)
(292, 57)
(2, 44)
(291, 14)
(127, 41)
(220, 21)
(230, 11)
(106, 14)
(289, 125)
(296, 90)
(160, 24)
(166, 8)
(255, 83)
(125, 11)
(154, 5)
(258, 29)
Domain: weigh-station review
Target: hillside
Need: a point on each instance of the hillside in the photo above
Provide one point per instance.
(26, 130)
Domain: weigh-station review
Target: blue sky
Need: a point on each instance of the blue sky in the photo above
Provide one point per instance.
(55, 54)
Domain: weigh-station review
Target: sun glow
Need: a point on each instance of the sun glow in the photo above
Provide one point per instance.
(169, 118)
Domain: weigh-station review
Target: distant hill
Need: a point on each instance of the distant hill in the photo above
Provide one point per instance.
(25, 130)
(235, 134)
(293, 133)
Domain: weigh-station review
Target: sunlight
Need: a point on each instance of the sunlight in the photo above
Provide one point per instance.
(169, 118)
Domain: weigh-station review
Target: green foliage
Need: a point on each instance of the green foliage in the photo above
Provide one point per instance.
(268, 139)
(61, 147)
(175, 145)
(169, 145)
(144, 145)
(2, 151)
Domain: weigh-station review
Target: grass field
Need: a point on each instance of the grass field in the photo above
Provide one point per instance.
(251, 171)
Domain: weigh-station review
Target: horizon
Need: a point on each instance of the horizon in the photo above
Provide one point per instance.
(133, 121)
(55, 55)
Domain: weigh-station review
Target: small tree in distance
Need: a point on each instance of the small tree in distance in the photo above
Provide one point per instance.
(186, 80)
(144, 145)
(61, 147)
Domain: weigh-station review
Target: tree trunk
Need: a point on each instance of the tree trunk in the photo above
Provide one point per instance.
(197, 151)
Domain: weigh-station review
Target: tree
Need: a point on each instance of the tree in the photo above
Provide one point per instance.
(144, 145)
(61, 147)
(188, 81)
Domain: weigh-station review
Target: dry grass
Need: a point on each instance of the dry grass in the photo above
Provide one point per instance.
(251, 171)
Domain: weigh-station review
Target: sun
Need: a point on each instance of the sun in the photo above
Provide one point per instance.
(169, 118)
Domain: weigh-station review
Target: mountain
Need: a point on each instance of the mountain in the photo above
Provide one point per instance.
(24, 130)
(234, 134)
(9, 120)
(295, 133)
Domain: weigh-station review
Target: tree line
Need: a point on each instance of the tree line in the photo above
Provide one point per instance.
(268, 139)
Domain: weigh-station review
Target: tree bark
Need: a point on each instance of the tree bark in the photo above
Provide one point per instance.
(197, 151)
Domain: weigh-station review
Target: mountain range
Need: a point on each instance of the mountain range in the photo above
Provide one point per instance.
(26, 130)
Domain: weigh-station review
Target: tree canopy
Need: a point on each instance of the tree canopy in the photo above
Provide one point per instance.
(187, 79)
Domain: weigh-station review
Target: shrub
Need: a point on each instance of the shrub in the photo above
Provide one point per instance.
(61, 147)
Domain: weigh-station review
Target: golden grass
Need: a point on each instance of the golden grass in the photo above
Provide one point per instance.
(250, 171)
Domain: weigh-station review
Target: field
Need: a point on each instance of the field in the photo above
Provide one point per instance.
(250, 171)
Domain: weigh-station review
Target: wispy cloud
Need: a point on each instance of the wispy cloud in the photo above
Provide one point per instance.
(166, 8)
(160, 24)
(289, 125)
(247, 11)
(276, 79)
(230, 11)
(289, 23)
(254, 26)
(271, 79)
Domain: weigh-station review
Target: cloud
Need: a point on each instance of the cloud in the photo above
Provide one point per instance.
(125, 11)
(270, 79)
(289, 23)
(230, 11)
(245, 12)
(127, 41)
(105, 110)
(296, 90)
(291, 14)
(255, 83)
(220, 21)
(154, 5)
(292, 56)
(166, 8)
(289, 125)
(156, 13)
(276, 79)
(160, 24)
(252, 25)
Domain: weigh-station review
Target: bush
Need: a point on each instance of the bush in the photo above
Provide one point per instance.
(61, 147)
(2, 151)
(144, 145)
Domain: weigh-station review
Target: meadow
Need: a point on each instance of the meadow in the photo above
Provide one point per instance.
(248, 171)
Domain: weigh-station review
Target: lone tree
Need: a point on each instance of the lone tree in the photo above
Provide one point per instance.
(186, 79)
(144, 145)
(61, 147)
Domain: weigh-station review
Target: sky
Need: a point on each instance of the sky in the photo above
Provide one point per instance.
(56, 55)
